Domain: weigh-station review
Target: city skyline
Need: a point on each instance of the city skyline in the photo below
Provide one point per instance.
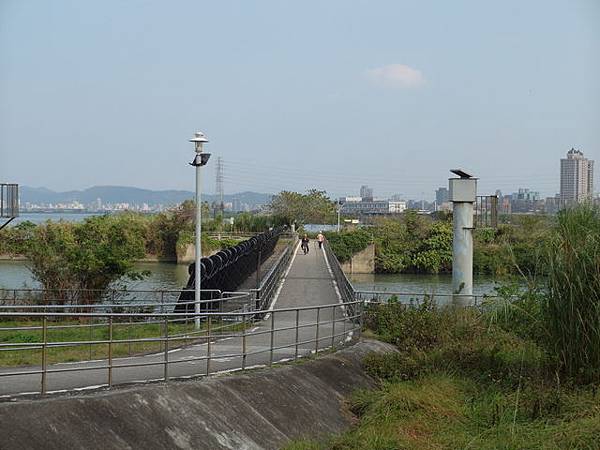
(393, 94)
(390, 193)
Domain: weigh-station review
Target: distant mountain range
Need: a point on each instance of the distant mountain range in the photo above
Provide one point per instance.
(123, 194)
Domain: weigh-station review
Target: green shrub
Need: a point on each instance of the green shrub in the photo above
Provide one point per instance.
(409, 328)
(347, 243)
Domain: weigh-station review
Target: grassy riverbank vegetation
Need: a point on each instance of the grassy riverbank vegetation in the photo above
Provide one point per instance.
(522, 372)
(413, 243)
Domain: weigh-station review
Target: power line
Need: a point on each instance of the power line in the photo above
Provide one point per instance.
(219, 185)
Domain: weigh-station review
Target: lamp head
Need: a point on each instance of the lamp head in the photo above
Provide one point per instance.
(199, 139)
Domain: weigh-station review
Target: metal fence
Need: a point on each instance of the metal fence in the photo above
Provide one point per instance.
(271, 281)
(486, 211)
(416, 299)
(109, 344)
(163, 298)
(9, 200)
(344, 286)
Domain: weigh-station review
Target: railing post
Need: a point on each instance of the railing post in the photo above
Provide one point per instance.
(361, 306)
(243, 341)
(258, 263)
(272, 338)
(129, 335)
(333, 327)
(344, 318)
(317, 331)
(91, 325)
(44, 352)
(297, 332)
(166, 357)
(162, 311)
(110, 339)
(208, 345)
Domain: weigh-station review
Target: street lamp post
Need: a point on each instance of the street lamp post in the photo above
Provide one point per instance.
(339, 212)
(200, 160)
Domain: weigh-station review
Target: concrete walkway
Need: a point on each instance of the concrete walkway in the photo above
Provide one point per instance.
(276, 338)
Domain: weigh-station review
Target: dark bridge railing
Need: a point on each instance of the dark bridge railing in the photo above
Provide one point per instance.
(229, 268)
(343, 284)
(272, 280)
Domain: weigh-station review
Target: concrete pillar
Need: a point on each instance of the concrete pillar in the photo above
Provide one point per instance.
(462, 252)
(463, 192)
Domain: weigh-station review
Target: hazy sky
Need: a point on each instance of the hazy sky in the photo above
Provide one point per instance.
(298, 94)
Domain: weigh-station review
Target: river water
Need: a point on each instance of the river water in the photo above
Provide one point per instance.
(53, 216)
(15, 275)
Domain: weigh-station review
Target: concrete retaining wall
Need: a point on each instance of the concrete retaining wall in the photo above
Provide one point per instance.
(362, 262)
(258, 410)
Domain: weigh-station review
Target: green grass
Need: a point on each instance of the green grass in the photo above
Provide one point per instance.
(444, 411)
(572, 309)
(82, 332)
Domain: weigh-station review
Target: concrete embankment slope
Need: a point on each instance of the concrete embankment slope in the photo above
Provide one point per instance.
(258, 410)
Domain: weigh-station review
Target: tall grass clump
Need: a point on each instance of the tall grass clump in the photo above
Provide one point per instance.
(572, 306)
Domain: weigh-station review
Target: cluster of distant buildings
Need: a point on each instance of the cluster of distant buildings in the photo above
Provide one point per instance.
(95, 206)
(98, 206)
(366, 204)
(576, 186)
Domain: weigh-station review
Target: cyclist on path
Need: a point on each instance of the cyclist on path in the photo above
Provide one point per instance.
(305, 244)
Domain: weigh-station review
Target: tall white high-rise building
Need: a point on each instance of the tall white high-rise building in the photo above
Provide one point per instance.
(576, 177)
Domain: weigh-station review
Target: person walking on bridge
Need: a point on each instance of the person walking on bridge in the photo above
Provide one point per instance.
(320, 238)
(305, 244)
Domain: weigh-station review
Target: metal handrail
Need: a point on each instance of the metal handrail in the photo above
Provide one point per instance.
(337, 330)
(73, 296)
(415, 298)
(344, 285)
(268, 286)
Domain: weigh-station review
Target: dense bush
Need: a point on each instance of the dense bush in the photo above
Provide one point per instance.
(348, 243)
(418, 244)
(86, 256)
(413, 244)
(431, 338)
(13, 240)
